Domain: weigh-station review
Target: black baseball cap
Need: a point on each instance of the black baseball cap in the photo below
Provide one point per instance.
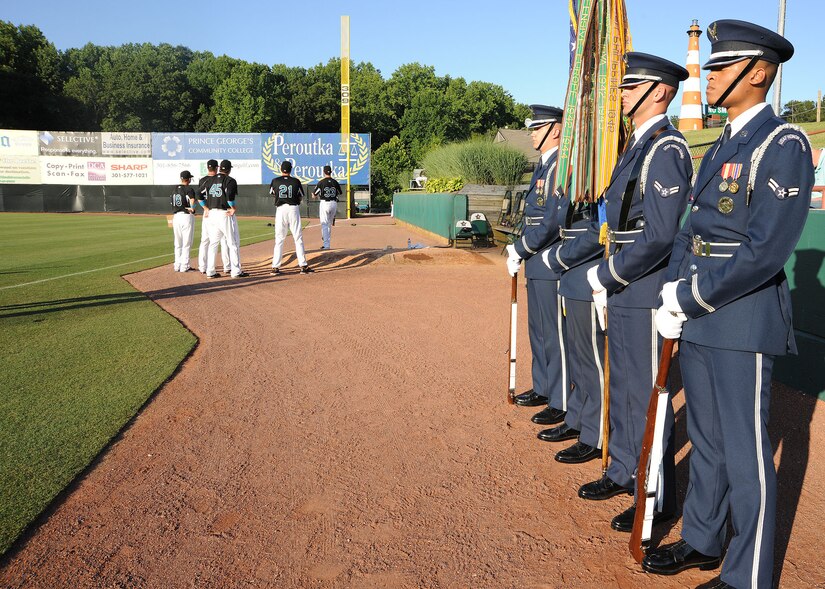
(286, 166)
(226, 165)
(186, 175)
(327, 170)
(212, 164)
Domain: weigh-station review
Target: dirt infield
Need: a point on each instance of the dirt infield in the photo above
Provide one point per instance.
(350, 429)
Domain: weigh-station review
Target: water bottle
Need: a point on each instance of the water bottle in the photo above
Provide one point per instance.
(409, 244)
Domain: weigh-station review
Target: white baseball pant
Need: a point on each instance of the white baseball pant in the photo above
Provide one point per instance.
(183, 226)
(288, 217)
(220, 232)
(203, 249)
(327, 210)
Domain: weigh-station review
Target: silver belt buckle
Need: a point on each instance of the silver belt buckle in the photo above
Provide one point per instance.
(699, 247)
(611, 235)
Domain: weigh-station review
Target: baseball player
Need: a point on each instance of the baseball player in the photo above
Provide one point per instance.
(218, 200)
(183, 220)
(288, 193)
(203, 249)
(328, 191)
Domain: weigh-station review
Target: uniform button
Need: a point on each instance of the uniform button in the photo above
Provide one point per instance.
(694, 208)
(693, 268)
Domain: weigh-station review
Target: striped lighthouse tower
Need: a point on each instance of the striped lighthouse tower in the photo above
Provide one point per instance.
(690, 118)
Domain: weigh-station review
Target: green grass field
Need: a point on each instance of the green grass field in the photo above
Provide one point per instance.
(82, 350)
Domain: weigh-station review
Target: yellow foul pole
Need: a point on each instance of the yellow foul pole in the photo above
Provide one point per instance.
(345, 135)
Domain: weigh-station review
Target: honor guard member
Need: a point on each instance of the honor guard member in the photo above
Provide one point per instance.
(219, 194)
(327, 190)
(644, 201)
(288, 193)
(584, 338)
(225, 169)
(203, 249)
(544, 317)
(183, 220)
(729, 298)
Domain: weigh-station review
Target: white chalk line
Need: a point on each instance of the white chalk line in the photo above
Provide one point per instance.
(109, 267)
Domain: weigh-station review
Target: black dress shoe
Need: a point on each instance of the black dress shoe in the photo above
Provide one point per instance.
(716, 583)
(624, 521)
(530, 399)
(577, 454)
(602, 489)
(559, 433)
(549, 416)
(678, 557)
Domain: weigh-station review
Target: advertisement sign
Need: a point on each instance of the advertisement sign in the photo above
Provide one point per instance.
(19, 169)
(90, 171)
(69, 143)
(196, 146)
(13, 142)
(168, 172)
(310, 152)
(125, 144)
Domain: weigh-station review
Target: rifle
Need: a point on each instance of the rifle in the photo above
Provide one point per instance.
(511, 392)
(606, 396)
(646, 481)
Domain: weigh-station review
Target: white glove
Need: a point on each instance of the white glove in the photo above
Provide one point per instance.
(669, 324)
(669, 298)
(599, 294)
(513, 260)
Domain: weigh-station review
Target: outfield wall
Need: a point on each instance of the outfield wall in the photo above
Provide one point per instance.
(435, 213)
(55, 198)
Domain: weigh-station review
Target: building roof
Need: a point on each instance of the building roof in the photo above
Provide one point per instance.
(519, 139)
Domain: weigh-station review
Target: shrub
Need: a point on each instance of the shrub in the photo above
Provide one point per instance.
(478, 161)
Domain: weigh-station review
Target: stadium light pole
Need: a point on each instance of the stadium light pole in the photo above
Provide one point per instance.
(777, 87)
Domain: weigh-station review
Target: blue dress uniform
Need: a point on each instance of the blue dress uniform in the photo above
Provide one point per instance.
(655, 175)
(750, 202)
(544, 318)
(585, 338)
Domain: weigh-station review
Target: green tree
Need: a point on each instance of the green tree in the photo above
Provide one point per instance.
(799, 111)
(30, 82)
(388, 162)
(370, 109)
(204, 74)
(315, 98)
(407, 81)
(249, 100)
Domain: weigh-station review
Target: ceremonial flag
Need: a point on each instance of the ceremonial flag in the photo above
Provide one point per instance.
(593, 128)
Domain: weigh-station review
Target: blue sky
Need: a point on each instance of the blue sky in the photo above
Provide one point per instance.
(519, 44)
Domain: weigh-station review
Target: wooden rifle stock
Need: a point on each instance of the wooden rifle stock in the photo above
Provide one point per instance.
(642, 474)
(511, 389)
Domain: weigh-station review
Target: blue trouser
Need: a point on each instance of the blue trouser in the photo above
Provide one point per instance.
(728, 396)
(634, 348)
(546, 329)
(585, 345)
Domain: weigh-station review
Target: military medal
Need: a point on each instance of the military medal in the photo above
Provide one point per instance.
(725, 205)
(540, 201)
(730, 173)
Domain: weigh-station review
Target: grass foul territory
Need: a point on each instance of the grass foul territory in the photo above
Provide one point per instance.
(82, 350)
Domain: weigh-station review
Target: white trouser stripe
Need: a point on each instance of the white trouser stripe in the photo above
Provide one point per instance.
(597, 358)
(760, 461)
(564, 387)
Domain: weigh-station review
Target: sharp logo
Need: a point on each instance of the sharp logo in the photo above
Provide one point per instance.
(129, 167)
(46, 138)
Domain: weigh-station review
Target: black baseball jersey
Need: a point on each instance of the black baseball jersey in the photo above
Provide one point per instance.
(183, 198)
(286, 190)
(219, 191)
(328, 189)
